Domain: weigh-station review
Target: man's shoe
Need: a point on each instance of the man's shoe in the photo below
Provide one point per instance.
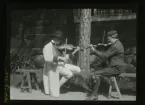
(107, 95)
(95, 99)
(46, 94)
(92, 98)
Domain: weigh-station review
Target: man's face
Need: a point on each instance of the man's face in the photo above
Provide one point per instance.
(63, 53)
(57, 41)
(27, 42)
(110, 39)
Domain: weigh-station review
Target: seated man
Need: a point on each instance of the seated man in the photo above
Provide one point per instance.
(66, 67)
(114, 56)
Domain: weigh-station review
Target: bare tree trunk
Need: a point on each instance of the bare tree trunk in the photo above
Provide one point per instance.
(77, 42)
(84, 38)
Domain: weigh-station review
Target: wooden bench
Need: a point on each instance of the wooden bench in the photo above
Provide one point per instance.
(113, 81)
(130, 75)
(27, 76)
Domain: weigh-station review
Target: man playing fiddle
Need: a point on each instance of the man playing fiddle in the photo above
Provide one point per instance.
(114, 56)
(54, 65)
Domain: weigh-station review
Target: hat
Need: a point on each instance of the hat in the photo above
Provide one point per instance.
(112, 34)
(57, 34)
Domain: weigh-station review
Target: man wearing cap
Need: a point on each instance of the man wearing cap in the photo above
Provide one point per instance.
(54, 65)
(114, 56)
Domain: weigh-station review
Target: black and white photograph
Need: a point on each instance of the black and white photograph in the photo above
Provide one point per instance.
(84, 54)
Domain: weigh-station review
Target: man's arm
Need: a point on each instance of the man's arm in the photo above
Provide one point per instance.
(55, 58)
(74, 52)
(48, 53)
(110, 52)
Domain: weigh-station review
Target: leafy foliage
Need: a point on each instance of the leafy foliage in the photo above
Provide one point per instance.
(21, 58)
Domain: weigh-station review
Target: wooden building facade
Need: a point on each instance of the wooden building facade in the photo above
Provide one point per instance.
(76, 24)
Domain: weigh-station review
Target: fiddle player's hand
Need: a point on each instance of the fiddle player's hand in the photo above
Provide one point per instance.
(77, 49)
(92, 48)
(64, 59)
(102, 44)
(99, 43)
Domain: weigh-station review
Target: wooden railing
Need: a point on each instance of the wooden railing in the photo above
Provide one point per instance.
(113, 12)
(107, 14)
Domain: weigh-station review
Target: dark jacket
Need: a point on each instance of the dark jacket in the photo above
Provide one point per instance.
(114, 54)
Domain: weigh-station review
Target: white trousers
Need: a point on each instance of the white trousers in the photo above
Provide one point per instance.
(51, 79)
(68, 70)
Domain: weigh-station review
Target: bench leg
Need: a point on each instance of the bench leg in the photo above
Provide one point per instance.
(29, 81)
(110, 90)
(117, 88)
(36, 82)
(23, 81)
(26, 77)
(13, 78)
(110, 87)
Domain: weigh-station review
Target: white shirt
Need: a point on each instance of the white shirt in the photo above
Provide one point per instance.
(48, 52)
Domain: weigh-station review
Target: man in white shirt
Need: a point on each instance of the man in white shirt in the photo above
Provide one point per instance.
(53, 67)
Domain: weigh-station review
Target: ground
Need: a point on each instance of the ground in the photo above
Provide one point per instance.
(15, 94)
(124, 84)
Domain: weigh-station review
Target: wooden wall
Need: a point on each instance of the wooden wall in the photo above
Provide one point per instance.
(126, 29)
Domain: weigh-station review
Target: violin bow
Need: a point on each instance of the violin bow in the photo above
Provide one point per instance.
(103, 39)
(66, 44)
(103, 50)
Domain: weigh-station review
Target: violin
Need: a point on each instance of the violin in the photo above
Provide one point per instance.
(67, 46)
(104, 45)
(100, 45)
(71, 47)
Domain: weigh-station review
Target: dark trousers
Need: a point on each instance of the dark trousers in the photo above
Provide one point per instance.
(104, 74)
